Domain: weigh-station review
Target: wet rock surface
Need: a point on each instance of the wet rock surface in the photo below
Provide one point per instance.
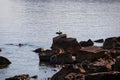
(4, 62)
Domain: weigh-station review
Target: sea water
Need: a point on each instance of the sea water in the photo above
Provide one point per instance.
(35, 22)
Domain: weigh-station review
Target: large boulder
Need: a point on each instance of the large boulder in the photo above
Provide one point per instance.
(4, 62)
(86, 43)
(19, 77)
(62, 59)
(111, 43)
(67, 44)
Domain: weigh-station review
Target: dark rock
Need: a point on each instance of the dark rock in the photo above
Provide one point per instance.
(117, 64)
(0, 49)
(20, 45)
(4, 62)
(90, 53)
(19, 77)
(54, 70)
(114, 53)
(46, 55)
(99, 41)
(102, 65)
(59, 37)
(86, 43)
(64, 72)
(111, 43)
(67, 44)
(118, 39)
(103, 76)
(35, 77)
(61, 59)
(39, 50)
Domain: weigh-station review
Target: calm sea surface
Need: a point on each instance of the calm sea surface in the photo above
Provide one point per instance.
(35, 22)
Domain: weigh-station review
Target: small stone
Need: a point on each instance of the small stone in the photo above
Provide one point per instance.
(35, 77)
(0, 49)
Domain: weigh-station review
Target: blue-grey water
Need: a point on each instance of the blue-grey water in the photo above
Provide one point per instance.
(35, 22)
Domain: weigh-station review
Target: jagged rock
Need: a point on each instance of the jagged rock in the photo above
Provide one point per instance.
(61, 59)
(111, 43)
(90, 53)
(67, 44)
(99, 41)
(86, 43)
(4, 62)
(103, 76)
(19, 77)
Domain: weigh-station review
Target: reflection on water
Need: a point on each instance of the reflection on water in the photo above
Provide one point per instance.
(35, 22)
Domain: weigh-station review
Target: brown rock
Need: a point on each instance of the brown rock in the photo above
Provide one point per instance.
(90, 53)
(61, 59)
(67, 44)
(111, 43)
(64, 72)
(4, 62)
(46, 55)
(114, 53)
(117, 64)
(102, 65)
(39, 50)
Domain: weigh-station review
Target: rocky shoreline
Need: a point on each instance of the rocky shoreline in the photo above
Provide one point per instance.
(82, 60)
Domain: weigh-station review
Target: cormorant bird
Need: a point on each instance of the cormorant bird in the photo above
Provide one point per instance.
(59, 33)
